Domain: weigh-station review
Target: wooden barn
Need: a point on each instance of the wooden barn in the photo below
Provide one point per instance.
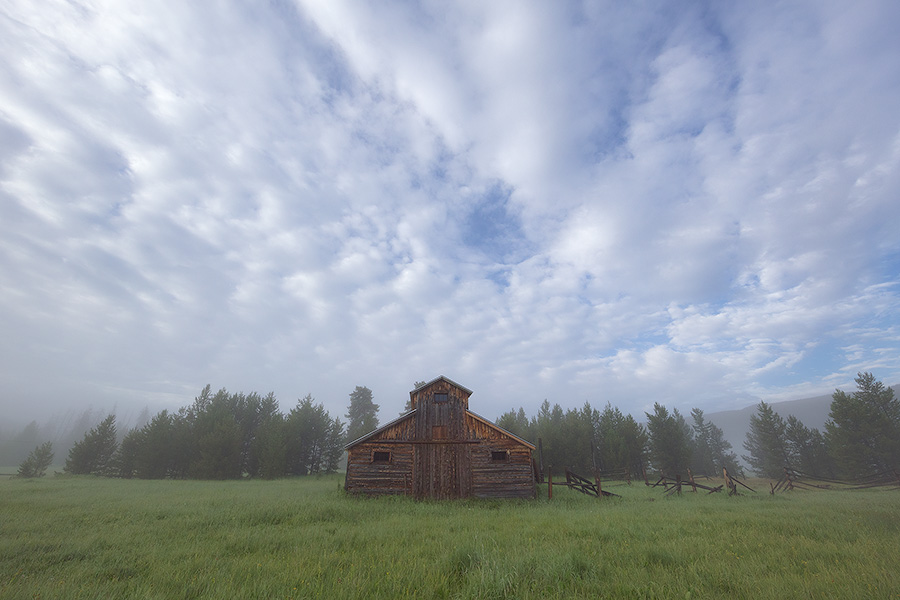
(440, 449)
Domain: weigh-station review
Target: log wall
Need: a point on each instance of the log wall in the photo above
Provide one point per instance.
(512, 478)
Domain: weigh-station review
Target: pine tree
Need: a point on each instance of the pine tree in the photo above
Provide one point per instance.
(702, 460)
(621, 441)
(516, 422)
(408, 406)
(313, 439)
(362, 413)
(94, 453)
(269, 449)
(766, 443)
(126, 457)
(36, 464)
(863, 431)
(671, 441)
(711, 450)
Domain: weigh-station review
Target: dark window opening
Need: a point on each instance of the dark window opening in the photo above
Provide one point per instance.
(440, 397)
(499, 455)
(381, 457)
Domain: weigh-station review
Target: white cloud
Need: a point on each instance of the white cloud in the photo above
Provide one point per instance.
(601, 203)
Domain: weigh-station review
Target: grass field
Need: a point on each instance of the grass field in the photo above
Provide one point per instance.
(74, 537)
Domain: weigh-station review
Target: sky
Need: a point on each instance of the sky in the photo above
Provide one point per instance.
(692, 203)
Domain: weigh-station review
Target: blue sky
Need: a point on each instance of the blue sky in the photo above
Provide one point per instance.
(613, 202)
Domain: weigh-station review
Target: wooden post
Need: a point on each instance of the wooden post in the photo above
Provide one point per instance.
(541, 456)
(549, 480)
(627, 476)
(678, 482)
(599, 489)
(691, 476)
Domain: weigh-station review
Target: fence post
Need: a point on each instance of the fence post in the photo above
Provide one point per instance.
(541, 457)
(549, 484)
(732, 488)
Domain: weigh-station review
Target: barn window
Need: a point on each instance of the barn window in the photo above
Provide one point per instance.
(439, 432)
(442, 397)
(499, 455)
(381, 457)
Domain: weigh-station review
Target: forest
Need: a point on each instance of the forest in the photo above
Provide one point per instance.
(226, 435)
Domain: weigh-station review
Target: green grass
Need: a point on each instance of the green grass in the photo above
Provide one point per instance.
(74, 537)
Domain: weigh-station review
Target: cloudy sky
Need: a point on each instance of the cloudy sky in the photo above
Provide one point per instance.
(694, 203)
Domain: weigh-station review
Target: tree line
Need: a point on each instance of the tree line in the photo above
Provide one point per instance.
(225, 436)
(588, 440)
(220, 435)
(861, 437)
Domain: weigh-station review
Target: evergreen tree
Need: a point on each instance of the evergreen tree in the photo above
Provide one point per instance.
(408, 406)
(608, 434)
(314, 439)
(635, 444)
(720, 448)
(548, 426)
(577, 439)
(516, 422)
(711, 450)
(702, 461)
(219, 451)
(766, 443)
(156, 449)
(670, 441)
(126, 457)
(269, 449)
(333, 447)
(863, 431)
(264, 437)
(362, 413)
(93, 454)
(806, 448)
(37, 463)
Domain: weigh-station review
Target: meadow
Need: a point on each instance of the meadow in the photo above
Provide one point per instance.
(85, 537)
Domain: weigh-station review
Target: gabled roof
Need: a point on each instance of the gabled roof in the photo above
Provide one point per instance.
(448, 380)
(500, 429)
(375, 432)
(403, 417)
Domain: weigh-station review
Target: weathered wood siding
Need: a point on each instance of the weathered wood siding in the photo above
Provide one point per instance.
(441, 458)
(510, 478)
(368, 477)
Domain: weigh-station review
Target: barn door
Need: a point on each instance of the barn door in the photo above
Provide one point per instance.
(441, 470)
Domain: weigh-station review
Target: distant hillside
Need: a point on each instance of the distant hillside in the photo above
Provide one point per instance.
(813, 412)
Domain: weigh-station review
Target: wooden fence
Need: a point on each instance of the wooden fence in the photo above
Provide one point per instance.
(793, 479)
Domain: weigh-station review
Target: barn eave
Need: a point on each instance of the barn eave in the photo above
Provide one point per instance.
(375, 432)
(442, 378)
(500, 429)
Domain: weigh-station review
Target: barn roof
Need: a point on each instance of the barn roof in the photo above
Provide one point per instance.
(375, 432)
(404, 416)
(500, 429)
(447, 379)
